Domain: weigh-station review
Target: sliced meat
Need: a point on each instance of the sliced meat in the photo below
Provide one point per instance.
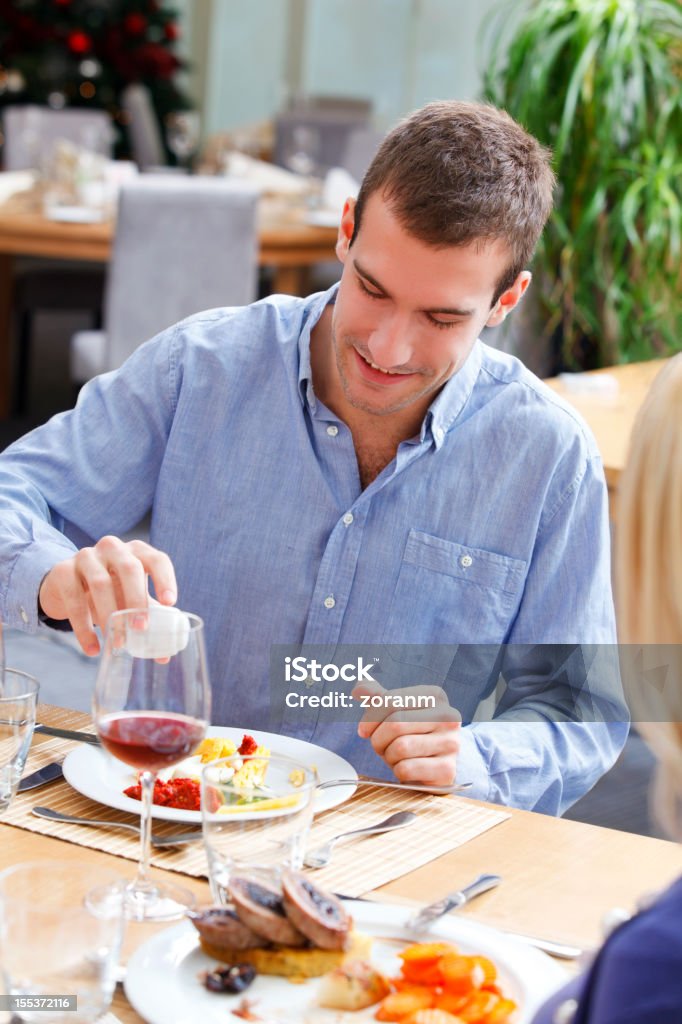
(320, 916)
(261, 909)
(222, 928)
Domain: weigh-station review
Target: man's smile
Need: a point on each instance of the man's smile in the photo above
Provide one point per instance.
(376, 374)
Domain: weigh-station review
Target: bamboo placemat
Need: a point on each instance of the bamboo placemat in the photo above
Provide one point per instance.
(443, 824)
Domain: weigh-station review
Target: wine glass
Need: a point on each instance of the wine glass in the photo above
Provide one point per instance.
(182, 135)
(151, 707)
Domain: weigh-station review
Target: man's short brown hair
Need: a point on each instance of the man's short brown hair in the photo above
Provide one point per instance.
(457, 173)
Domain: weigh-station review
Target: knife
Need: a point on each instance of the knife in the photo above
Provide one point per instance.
(48, 773)
(557, 949)
(433, 911)
(67, 734)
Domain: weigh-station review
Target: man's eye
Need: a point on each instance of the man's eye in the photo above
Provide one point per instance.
(443, 325)
(366, 290)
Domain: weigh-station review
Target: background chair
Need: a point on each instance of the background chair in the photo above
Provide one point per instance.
(359, 150)
(182, 245)
(323, 131)
(30, 135)
(31, 131)
(144, 133)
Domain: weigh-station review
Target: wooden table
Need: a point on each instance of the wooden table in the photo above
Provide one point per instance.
(560, 877)
(286, 243)
(611, 414)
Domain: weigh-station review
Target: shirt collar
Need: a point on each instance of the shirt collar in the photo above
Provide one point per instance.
(449, 402)
(444, 409)
(305, 376)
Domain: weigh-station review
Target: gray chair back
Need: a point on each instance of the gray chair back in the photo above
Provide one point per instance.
(31, 132)
(329, 128)
(182, 245)
(143, 128)
(361, 146)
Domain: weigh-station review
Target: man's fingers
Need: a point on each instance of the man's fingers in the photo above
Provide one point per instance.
(435, 771)
(96, 583)
(159, 566)
(444, 742)
(373, 716)
(410, 723)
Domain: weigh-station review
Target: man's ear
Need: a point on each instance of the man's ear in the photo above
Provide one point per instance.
(508, 299)
(346, 228)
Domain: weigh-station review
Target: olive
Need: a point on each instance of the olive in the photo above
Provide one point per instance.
(230, 979)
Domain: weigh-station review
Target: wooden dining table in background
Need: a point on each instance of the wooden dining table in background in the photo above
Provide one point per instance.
(286, 243)
(609, 400)
(559, 878)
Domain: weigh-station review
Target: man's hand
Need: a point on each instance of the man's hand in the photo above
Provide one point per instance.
(420, 745)
(97, 581)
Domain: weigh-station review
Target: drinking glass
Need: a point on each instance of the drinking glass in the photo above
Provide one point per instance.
(256, 814)
(18, 696)
(61, 926)
(151, 707)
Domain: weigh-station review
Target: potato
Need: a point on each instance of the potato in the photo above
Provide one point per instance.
(353, 985)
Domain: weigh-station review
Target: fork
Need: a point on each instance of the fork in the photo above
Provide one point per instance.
(320, 857)
(157, 840)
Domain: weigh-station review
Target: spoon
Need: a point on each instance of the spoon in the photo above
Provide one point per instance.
(157, 840)
(320, 857)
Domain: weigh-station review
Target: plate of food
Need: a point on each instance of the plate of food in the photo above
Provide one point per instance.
(352, 961)
(99, 776)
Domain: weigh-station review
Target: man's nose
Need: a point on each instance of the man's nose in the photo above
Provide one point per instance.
(389, 345)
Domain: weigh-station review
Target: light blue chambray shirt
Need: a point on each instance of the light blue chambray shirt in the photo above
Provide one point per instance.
(489, 527)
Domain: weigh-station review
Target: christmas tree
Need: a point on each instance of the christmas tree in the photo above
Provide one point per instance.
(83, 53)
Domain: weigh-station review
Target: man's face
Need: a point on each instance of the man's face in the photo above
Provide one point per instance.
(407, 314)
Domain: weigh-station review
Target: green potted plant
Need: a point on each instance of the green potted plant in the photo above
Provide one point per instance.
(599, 82)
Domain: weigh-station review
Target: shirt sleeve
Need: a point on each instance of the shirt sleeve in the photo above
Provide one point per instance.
(87, 472)
(560, 721)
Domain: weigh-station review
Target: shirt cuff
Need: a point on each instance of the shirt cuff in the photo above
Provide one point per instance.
(472, 766)
(28, 572)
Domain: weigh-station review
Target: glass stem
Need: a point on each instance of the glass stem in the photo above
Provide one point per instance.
(142, 879)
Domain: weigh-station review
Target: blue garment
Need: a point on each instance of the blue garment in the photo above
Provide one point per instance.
(636, 977)
(489, 527)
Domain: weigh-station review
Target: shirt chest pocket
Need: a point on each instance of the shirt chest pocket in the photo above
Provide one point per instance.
(449, 593)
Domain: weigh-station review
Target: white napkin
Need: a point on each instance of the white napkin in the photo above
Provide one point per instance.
(166, 633)
(15, 181)
(265, 177)
(600, 385)
(338, 186)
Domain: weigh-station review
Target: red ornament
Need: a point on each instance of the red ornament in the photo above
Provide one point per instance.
(171, 31)
(62, 3)
(135, 23)
(79, 42)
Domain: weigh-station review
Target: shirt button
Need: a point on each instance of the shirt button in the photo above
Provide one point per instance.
(332, 430)
(565, 1012)
(438, 433)
(465, 561)
(24, 614)
(329, 602)
(348, 518)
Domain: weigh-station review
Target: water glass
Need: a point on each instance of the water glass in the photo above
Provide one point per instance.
(256, 814)
(61, 927)
(18, 696)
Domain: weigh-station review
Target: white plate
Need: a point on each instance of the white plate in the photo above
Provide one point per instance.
(99, 776)
(161, 980)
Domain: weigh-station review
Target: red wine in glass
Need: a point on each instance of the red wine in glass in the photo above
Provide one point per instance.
(150, 740)
(151, 708)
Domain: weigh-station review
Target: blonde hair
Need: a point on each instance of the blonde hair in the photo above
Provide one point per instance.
(649, 579)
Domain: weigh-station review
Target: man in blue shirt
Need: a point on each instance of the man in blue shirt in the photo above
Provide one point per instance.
(353, 468)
